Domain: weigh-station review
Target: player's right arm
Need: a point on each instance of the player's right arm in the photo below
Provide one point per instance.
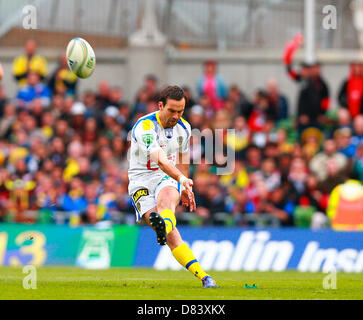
(165, 164)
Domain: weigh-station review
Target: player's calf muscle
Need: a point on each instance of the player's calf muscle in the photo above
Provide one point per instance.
(174, 239)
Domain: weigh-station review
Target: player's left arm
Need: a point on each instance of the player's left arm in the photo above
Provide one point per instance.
(183, 163)
(183, 166)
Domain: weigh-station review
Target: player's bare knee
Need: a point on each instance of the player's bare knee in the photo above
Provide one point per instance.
(165, 204)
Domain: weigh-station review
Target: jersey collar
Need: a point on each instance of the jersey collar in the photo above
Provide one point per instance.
(158, 119)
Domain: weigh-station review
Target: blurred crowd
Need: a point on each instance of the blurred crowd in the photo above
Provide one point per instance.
(62, 151)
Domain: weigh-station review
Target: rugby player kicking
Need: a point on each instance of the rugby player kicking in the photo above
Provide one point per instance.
(158, 170)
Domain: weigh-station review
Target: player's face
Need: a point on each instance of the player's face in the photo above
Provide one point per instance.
(171, 112)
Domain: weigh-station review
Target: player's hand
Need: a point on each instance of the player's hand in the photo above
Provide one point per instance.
(188, 200)
(188, 184)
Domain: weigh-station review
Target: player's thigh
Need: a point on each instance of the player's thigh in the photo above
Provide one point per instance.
(167, 193)
(167, 198)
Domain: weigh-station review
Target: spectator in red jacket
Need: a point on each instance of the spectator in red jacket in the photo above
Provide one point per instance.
(261, 112)
(313, 99)
(351, 91)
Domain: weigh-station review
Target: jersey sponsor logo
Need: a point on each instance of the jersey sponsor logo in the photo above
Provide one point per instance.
(148, 166)
(147, 138)
(140, 193)
(169, 133)
(90, 63)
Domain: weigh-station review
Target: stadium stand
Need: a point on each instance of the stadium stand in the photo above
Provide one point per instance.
(63, 153)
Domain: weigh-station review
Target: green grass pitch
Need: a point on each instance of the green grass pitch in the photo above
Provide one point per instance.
(67, 283)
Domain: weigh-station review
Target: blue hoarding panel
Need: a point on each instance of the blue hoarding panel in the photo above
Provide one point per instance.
(223, 248)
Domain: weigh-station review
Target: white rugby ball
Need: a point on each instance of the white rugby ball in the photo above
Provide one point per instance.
(81, 58)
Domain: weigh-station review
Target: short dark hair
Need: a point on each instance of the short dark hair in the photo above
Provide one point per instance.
(172, 92)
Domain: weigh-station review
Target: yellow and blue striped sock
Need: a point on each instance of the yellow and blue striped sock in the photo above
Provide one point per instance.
(186, 258)
(169, 219)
